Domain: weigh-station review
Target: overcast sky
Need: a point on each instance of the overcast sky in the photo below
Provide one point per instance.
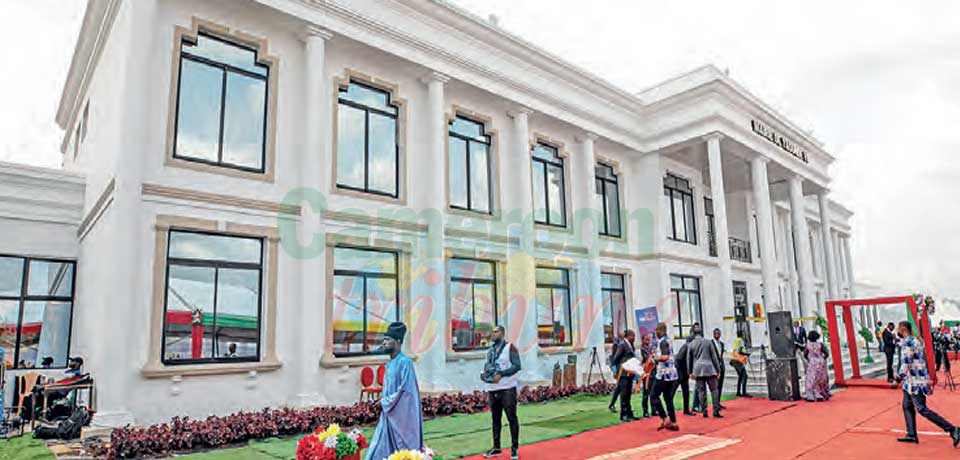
(877, 81)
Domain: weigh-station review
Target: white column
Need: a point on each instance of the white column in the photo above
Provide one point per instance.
(768, 262)
(587, 208)
(719, 198)
(312, 180)
(794, 284)
(850, 280)
(521, 281)
(429, 287)
(802, 234)
(841, 264)
(828, 254)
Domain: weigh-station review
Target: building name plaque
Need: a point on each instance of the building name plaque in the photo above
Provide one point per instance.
(787, 145)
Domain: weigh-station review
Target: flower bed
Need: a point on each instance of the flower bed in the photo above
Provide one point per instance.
(183, 434)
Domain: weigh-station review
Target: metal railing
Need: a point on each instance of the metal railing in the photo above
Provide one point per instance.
(740, 250)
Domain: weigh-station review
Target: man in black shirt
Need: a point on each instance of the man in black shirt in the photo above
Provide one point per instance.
(889, 348)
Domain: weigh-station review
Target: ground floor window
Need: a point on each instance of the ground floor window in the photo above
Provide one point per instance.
(366, 297)
(213, 301)
(685, 291)
(554, 324)
(614, 300)
(36, 310)
(473, 302)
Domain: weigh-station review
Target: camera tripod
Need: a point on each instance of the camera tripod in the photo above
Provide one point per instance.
(595, 361)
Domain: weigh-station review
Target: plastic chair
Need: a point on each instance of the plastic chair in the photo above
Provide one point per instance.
(367, 388)
(25, 384)
(381, 373)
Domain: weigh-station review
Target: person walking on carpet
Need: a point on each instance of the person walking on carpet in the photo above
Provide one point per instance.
(816, 382)
(704, 364)
(665, 384)
(623, 353)
(914, 376)
(401, 418)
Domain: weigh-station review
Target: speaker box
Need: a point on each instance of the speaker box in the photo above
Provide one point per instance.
(781, 334)
(783, 379)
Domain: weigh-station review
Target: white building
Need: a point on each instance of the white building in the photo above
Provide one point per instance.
(252, 189)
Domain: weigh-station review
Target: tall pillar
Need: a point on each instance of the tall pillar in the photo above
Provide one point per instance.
(587, 207)
(841, 264)
(828, 254)
(801, 234)
(521, 276)
(429, 292)
(850, 280)
(794, 282)
(768, 260)
(312, 179)
(718, 195)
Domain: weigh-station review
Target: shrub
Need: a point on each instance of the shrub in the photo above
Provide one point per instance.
(184, 434)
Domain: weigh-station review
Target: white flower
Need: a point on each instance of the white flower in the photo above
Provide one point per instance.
(330, 442)
(430, 453)
(354, 435)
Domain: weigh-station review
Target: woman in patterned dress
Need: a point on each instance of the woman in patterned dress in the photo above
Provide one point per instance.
(816, 382)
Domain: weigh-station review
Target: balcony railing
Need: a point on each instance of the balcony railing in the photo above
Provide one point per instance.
(740, 250)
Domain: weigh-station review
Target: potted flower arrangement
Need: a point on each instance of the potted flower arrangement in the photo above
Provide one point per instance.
(426, 454)
(331, 444)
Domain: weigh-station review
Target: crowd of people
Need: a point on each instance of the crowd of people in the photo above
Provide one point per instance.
(657, 371)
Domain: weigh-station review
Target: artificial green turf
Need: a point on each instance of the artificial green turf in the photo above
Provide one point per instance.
(462, 435)
(24, 448)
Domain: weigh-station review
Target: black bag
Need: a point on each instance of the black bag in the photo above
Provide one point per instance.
(66, 429)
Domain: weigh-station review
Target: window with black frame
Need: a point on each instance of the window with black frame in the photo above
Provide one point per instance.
(473, 302)
(711, 226)
(614, 299)
(686, 295)
(682, 218)
(549, 190)
(608, 189)
(368, 151)
(213, 298)
(222, 108)
(366, 298)
(469, 164)
(36, 311)
(554, 324)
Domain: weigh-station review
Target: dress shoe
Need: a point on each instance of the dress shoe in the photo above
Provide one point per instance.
(956, 436)
(717, 415)
(723, 407)
(663, 424)
(612, 409)
(645, 414)
(686, 412)
(705, 415)
(909, 439)
(673, 427)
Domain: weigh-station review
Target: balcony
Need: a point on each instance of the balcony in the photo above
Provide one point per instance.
(740, 250)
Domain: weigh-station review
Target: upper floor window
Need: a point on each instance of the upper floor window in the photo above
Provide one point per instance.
(366, 298)
(221, 117)
(473, 302)
(614, 299)
(549, 192)
(213, 299)
(36, 311)
(368, 152)
(554, 323)
(686, 296)
(469, 152)
(682, 217)
(711, 226)
(608, 189)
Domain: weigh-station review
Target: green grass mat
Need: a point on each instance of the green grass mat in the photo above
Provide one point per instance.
(24, 448)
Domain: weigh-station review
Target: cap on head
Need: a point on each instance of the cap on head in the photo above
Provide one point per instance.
(396, 331)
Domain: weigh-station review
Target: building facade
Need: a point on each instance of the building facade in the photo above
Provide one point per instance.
(251, 190)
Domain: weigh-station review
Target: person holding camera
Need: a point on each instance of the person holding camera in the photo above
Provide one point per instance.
(500, 375)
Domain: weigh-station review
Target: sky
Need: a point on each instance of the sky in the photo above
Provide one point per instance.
(877, 81)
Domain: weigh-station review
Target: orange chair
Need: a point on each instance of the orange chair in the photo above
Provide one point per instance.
(24, 387)
(368, 389)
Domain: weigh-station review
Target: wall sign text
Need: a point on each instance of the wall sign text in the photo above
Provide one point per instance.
(786, 144)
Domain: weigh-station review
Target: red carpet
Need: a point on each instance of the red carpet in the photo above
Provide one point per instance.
(855, 423)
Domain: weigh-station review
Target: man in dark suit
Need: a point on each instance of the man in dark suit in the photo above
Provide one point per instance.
(704, 364)
(721, 350)
(889, 348)
(799, 335)
(625, 351)
(683, 373)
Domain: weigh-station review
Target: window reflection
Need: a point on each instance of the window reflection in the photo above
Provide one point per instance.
(212, 298)
(469, 176)
(554, 321)
(549, 199)
(221, 104)
(367, 140)
(473, 303)
(365, 299)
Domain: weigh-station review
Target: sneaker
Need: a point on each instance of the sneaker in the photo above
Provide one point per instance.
(495, 452)
(612, 409)
(909, 439)
(514, 455)
(956, 436)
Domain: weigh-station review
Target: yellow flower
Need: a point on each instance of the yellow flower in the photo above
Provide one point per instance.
(331, 430)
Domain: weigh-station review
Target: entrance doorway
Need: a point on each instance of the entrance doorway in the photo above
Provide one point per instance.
(740, 311)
